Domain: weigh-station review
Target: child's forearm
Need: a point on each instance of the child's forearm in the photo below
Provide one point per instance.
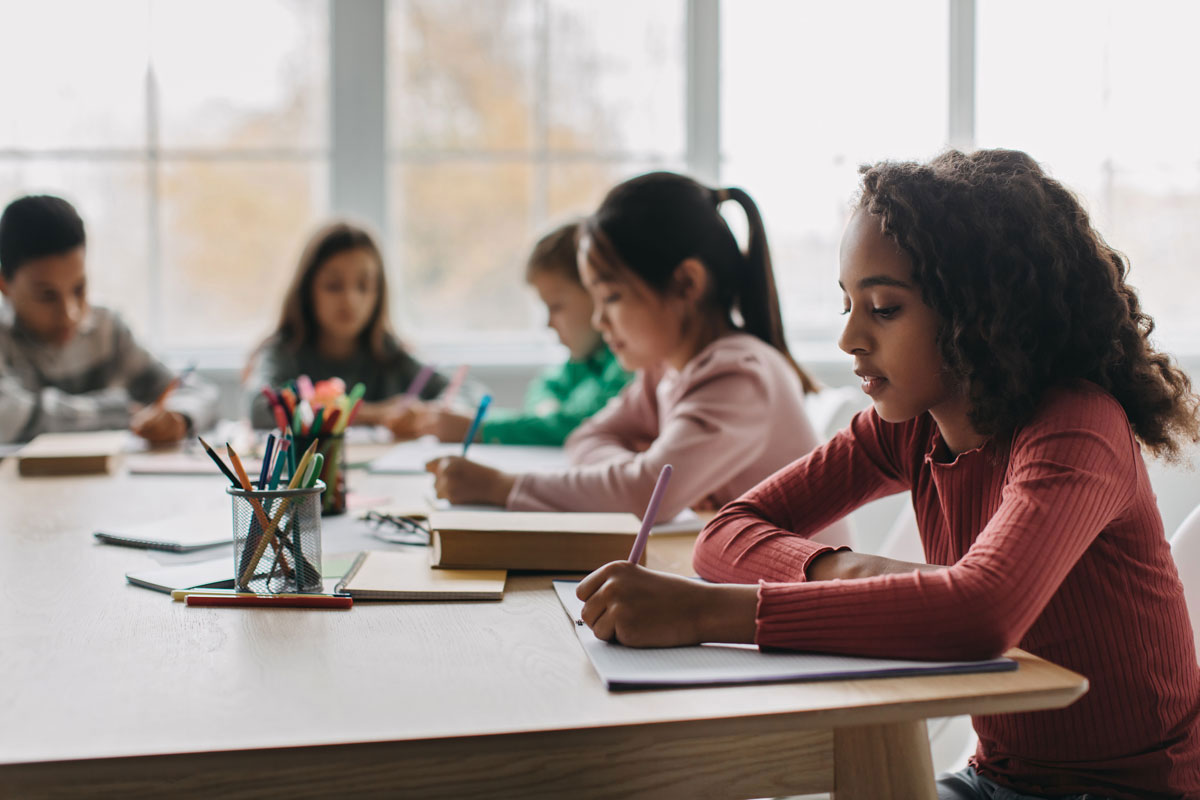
(731, 613)
(847, 565)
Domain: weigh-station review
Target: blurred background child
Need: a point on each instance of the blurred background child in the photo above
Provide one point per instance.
(66, 365)
(335, 323)
(562, 397)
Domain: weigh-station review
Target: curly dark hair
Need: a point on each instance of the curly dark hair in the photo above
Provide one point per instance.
(1029, 294)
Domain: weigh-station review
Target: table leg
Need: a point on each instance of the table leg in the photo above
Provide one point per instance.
(883, 762)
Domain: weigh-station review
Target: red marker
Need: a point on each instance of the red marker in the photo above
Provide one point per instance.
(245, 600)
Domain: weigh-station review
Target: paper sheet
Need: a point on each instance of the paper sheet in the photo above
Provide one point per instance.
(711, 664)
(409, 457)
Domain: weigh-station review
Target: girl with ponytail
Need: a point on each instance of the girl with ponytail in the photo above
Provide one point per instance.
(716, 392)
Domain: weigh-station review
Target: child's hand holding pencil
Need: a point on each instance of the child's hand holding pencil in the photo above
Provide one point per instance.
(398, 415)
(446, 425)
(465, 482)
(155, 423)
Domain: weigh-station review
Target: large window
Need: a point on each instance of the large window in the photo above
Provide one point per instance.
(1102, 92)
(506, 117)
(192, 137)
(807, 96)
(196, 138)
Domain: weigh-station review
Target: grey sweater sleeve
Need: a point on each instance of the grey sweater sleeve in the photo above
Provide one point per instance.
(24, 412)
(95, 387)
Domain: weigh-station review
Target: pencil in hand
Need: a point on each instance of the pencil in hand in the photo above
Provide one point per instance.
(660, 488)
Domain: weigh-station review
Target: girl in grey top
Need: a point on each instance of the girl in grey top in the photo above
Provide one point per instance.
(335, 323)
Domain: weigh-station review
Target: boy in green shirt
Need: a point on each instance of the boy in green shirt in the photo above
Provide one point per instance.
(560, 398)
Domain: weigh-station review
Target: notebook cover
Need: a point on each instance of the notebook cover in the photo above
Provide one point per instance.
(183, 533)
(406, 575)
(215, 574)
(533, 541)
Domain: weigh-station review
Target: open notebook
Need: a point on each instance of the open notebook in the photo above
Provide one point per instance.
(411, 457)
(712, 664)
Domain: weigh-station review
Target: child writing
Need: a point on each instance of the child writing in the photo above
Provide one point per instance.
(1012, 379)
(335, 323)
(66, 365)
(561, 398)
(724, 403)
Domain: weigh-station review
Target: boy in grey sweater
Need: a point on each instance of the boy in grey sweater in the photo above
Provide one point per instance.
(69, 366)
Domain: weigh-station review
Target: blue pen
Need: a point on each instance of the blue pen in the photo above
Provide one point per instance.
(483, 406)
(264, 473)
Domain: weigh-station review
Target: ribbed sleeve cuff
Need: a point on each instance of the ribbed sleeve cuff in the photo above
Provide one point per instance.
(784, 611)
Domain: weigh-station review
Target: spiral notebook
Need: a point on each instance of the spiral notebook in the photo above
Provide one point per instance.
(407, 575)
(182, 533)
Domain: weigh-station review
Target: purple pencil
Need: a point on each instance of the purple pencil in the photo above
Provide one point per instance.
(660, 488)
(413, 392)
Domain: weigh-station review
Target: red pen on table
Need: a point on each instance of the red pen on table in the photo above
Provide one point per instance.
(245, 600)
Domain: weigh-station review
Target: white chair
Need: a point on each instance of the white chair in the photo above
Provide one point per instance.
(1185, 548)
(903, 540)
(832, 408)
(951, 739)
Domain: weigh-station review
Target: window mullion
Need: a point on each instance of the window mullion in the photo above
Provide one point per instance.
(155, 279)
(358, 111)
(703, 89)
(961, 133)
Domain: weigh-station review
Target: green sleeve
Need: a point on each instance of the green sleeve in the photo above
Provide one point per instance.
(556, 402)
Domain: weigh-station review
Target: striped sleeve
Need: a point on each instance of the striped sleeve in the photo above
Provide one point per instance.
(764, 534)
(1071, 473)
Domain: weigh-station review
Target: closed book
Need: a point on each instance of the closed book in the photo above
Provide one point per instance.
(71, 453)
(549, 541)
(407, 575)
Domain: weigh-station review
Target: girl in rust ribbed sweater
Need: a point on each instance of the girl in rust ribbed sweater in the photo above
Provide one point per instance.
(1013, 388)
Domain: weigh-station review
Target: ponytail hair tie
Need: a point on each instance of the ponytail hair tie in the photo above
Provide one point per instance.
(720, 195)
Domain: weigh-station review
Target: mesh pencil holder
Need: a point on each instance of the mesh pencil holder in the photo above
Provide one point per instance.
(333, 473)
(277, 539)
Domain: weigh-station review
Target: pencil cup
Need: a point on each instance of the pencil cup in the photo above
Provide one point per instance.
(333, 473)
(277, 539)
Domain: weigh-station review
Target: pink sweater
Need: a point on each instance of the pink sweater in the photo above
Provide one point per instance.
(1052, 543)
(731, 417)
